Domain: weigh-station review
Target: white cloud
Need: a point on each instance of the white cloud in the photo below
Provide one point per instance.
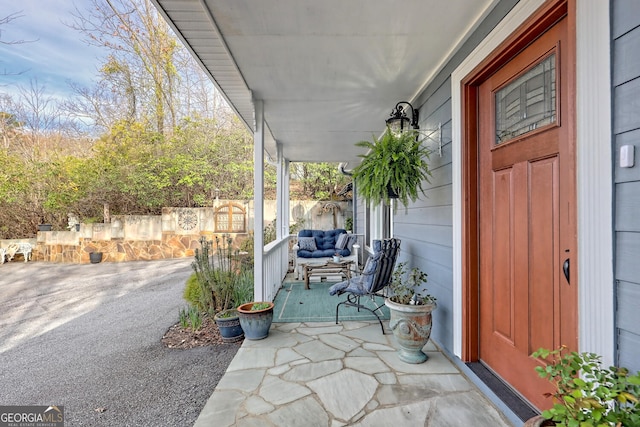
(57, 54)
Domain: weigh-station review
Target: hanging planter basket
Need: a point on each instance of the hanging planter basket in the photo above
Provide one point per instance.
(391, 192)
(395, 167)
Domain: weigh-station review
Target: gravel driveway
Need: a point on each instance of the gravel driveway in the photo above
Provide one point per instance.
(88, 337)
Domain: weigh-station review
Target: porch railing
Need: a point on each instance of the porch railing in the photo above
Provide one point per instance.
(276, 265)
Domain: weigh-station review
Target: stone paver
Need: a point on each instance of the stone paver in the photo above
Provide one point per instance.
(311, 371)
(345, 402)
(322, 374)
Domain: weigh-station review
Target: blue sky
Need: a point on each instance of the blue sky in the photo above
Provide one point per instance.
(59, 55)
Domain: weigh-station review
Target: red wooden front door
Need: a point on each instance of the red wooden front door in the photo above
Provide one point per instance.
(526, 172)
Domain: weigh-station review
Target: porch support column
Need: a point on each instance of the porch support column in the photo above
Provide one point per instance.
(596, 305)
(286, 197)
(258, 201)
(282, 195)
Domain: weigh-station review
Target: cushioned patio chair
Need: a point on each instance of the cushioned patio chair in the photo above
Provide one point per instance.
(375, 277)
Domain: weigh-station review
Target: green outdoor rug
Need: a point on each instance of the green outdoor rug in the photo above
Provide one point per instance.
(294, 303)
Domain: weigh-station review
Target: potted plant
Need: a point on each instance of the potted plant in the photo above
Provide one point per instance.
(410, 312)
(44, 227)
(229, 326)
(585, 393)
(228, 321)
(95, 257)
(218, 284)
(394, 167)
(348, 224)
(255, 319)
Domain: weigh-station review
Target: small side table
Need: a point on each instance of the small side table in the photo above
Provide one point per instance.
(342, 267)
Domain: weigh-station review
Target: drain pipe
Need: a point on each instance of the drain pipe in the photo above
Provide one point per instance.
(342, 169)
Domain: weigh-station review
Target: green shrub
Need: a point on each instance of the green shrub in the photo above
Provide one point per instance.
(184, 318)
(259, 306)
(269, 232)
(297, 225)
(348, 224)
(243, 292)
(225, 314)
(588, 394)
(222, 279)
(190, 317)
(247, 246)
(193, 293)
(195, 318)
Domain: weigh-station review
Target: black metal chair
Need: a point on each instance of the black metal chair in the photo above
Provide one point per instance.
(373, 280)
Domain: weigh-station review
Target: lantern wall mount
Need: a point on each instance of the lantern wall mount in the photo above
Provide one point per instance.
(398, 117)
(398, 121)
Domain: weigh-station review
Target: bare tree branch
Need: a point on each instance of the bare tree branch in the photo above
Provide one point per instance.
(6, 20)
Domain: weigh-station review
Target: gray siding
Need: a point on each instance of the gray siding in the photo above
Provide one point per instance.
(426, 226)
(626, 125)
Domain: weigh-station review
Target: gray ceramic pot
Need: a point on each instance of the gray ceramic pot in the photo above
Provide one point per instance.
(411, 326)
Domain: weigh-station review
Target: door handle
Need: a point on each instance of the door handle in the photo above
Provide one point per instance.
(566, 269)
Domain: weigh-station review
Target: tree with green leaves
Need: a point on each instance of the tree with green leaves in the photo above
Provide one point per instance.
(151, 132)
(319, 181)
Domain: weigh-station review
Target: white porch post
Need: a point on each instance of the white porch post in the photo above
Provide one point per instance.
(282, 195)
(286, 204)
(258, 201)
(279, 220)
(596, 305)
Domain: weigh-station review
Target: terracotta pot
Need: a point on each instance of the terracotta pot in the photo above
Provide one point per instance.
(255, 323)
(411, 326)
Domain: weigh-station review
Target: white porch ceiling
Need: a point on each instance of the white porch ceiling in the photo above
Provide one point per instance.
(329, 71)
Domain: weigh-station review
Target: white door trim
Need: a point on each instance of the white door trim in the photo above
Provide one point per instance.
(594, 173)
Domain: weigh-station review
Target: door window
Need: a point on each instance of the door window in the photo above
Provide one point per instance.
(528, 102)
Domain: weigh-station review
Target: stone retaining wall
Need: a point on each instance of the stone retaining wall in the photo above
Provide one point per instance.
(119, 250)
(174, 234)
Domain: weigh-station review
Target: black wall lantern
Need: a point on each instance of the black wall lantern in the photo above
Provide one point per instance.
(399, 121)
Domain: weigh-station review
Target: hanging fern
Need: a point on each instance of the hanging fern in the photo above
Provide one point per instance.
(395, 163)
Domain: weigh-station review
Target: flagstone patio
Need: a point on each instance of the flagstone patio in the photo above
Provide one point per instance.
(323, 374)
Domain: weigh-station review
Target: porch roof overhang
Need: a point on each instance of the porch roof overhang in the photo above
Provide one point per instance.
(329, 72)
